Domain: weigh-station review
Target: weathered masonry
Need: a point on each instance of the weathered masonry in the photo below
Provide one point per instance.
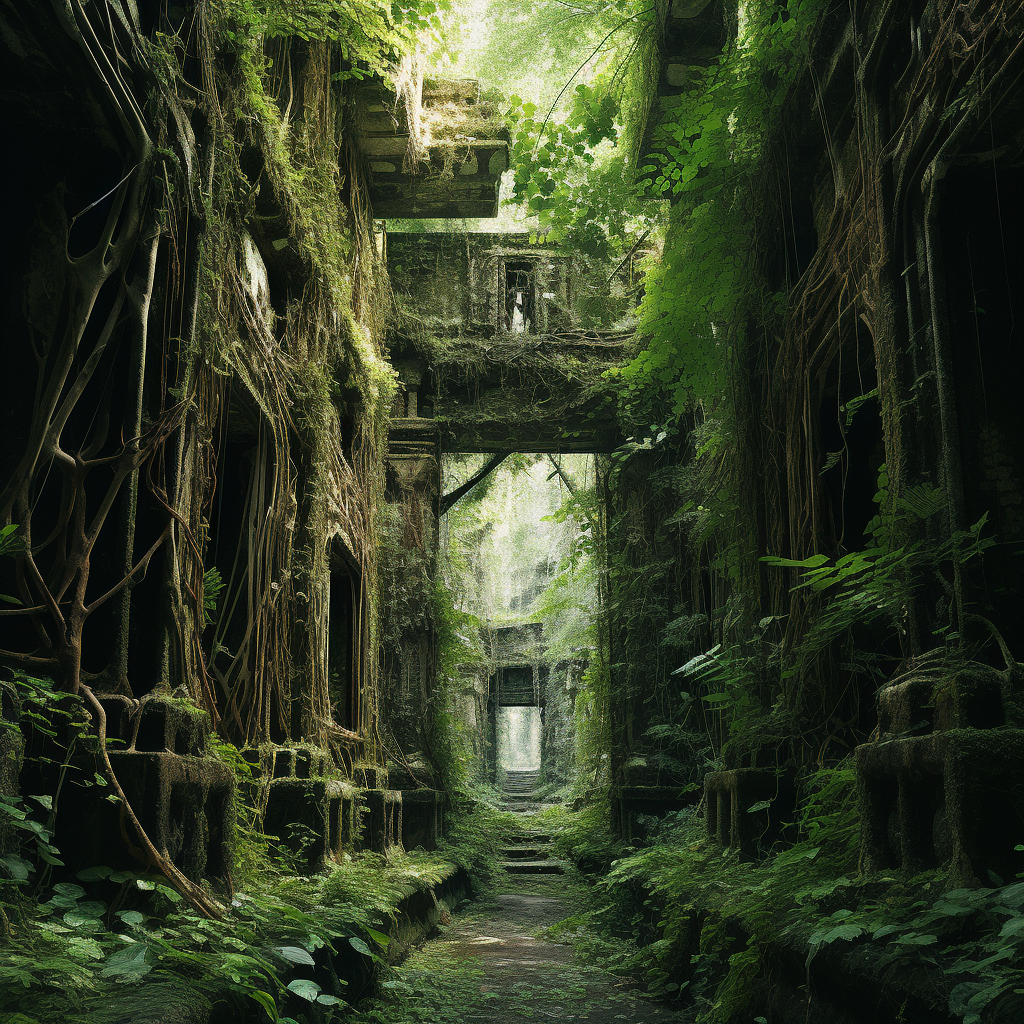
(896, 241)
(500, 348)
(504, 342)
(194, 404)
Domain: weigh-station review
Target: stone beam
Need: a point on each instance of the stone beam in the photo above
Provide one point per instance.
(525, 394)
(445, 160)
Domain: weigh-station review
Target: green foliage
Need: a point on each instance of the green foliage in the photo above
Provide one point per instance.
(569, 174)
(473, 841)
(212, 586)
(10, 544)
(9, 541)
(369, 33)
(877, 584)
(251, 845)
(709, 145)
(586, 839)
(73, 947)
(28, 851)
(716, 918)
(457, 640)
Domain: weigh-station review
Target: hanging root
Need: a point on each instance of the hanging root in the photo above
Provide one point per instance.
(193, 894)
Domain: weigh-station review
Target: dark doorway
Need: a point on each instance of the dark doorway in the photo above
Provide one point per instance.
(342, 639)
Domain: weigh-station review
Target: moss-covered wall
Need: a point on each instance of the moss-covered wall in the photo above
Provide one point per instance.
(453, 284)
(848, 431)
(217, 370)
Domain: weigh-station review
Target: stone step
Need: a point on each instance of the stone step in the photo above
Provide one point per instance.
(549, 866)
(528, 839)
(525, 852)
(520, 782)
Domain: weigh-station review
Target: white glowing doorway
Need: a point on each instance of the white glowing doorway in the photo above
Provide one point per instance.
(519, 731)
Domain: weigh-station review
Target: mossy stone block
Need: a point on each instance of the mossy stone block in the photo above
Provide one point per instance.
(954, 799)
(184, 803)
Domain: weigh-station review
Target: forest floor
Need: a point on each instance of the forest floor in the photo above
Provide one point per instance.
(494, 962)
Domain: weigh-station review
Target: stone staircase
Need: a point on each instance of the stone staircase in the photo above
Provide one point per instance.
(519, 791)
(530, 854)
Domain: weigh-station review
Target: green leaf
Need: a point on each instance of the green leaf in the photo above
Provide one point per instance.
(294, 954)
(842, 931)
(359, 946)
(304, 989)
(1012, 895)
(94, 874)
(380, 938)
(790, 563)
(17, 867)
(76, 919)
(266, 1001)
(128, 964)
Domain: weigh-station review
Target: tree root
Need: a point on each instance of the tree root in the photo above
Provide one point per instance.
(193, 894)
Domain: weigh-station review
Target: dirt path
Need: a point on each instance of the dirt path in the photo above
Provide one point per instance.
(493, 965)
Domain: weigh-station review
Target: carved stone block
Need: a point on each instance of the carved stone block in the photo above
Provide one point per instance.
(733, 808)
(952, 799)
(184, 803)
(421, 811)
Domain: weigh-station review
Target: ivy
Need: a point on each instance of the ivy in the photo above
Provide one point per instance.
(707, 157)
(369, 33)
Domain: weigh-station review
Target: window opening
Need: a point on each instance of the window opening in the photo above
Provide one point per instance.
(519, 298)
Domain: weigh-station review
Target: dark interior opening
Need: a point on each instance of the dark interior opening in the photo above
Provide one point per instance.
(982, 221)
(218, 807)
(152, 734)
(225, 549)
(145, 623)
(92, 177)
(520, 313)
(853, 447)
(514, 686)
(342, 646)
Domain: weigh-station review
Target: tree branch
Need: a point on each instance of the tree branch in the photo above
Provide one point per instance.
(453, 496)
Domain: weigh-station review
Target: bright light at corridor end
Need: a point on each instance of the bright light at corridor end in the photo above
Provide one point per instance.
(519, 739)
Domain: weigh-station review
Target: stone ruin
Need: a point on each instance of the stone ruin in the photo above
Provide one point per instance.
(943, 786)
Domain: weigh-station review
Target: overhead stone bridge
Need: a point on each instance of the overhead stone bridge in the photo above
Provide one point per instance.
(506, 342)
(510, 393)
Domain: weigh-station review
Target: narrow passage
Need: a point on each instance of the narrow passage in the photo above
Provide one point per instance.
(495, 963)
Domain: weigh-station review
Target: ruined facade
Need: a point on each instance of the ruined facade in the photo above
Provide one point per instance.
(196, 412)
(893, 374)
